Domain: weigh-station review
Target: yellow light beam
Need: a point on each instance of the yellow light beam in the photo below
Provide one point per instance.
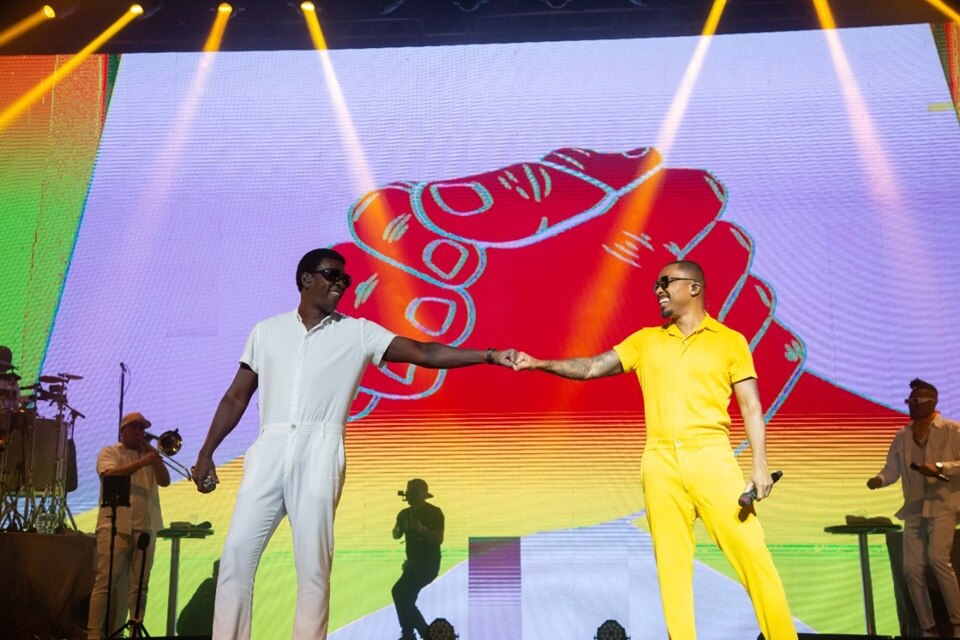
(25, 101)
(945, 10)
(883, 181)
(678, 107)
(608, 289)
(224, 11)
(38, 17)
(313, 26)
(402, 288)
(898, 242)
(155, 195)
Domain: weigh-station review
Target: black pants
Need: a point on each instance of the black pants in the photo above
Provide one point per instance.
(405, 592)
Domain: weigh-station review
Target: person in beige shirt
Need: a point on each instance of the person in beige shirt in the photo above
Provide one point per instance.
(925, 457)
(131, 456)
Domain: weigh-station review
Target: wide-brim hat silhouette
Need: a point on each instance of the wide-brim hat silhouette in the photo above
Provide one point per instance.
(417, 487)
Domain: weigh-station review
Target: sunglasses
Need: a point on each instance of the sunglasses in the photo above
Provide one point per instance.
(910, 401)
(334, 276)
(664, 281)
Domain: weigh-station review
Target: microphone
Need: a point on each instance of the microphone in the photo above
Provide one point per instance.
(123, 367)
(939, 476)
(747, 497)
(143, 541)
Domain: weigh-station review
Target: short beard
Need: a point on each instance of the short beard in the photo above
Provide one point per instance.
(665, 312)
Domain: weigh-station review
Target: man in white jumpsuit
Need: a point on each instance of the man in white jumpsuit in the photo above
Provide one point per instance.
(307, 364)
(931, 501)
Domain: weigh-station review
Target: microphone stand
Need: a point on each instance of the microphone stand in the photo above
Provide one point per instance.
(135, 624)
(116, 493)
(123, 381)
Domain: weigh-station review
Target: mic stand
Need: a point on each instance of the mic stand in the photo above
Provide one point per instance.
(135, 624)
(116, 493)
(123, 384)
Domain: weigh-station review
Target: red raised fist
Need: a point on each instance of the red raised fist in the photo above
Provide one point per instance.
(557, 257)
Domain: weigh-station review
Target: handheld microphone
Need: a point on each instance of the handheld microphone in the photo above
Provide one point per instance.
(939, 476)
(747, 497)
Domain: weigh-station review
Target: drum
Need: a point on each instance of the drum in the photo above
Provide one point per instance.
(31, 453)
(9, 391)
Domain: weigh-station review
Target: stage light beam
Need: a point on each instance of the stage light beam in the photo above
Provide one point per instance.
(313, 26)
(224, 11)
(883, 180)
(608, 288)
(945, 10)
(33, 20)
(363, 180)
(44, 86)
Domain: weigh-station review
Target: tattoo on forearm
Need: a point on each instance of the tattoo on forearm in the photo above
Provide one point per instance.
(573, 368)
(584, 368)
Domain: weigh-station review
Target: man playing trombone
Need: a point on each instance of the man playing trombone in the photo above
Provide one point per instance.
(132, 456)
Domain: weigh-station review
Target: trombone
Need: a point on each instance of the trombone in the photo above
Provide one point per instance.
(168, 444)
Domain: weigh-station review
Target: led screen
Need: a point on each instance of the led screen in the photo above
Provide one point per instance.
(526, 195)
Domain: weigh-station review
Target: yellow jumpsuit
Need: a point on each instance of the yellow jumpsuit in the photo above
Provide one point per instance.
(689, 470)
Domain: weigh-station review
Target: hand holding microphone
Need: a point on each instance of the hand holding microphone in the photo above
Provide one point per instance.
(747, 497)
(930, 471)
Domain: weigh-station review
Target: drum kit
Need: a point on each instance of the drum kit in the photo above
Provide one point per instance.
(37, 456)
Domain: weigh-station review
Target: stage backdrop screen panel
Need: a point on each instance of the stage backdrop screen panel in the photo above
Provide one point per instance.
(526, 195)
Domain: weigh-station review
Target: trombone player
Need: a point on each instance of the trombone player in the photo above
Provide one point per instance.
(134, 457)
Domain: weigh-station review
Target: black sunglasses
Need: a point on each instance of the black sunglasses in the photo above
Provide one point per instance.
(664, 281)
(334, 276)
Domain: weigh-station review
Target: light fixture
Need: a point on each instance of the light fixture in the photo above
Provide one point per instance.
(441, 629)
(391, 6)
(611, 630)
(469, 6)
(147, 11)
(226, 9)
(556, 4)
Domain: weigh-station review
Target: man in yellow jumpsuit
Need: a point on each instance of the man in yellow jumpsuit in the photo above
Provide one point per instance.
(687, 369)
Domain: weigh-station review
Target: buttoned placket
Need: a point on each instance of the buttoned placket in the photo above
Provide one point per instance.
(678, 377)
(297, 382)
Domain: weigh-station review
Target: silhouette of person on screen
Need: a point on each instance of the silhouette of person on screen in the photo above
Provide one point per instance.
(307, 364)
(687, 369)
(931, 501)
(421, 525)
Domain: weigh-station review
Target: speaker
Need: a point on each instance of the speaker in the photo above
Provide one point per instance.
(47, 582)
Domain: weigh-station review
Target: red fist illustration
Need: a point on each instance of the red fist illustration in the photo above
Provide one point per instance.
(557, 257)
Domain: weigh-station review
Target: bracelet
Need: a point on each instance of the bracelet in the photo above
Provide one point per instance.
(490, 353)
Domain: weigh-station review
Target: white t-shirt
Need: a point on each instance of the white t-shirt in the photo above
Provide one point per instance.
(311, 376)
(143, 514)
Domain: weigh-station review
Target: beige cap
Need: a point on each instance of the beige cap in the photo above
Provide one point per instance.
(134, 418)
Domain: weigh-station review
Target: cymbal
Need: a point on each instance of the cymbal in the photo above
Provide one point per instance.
(52, 379)
(70, 376)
